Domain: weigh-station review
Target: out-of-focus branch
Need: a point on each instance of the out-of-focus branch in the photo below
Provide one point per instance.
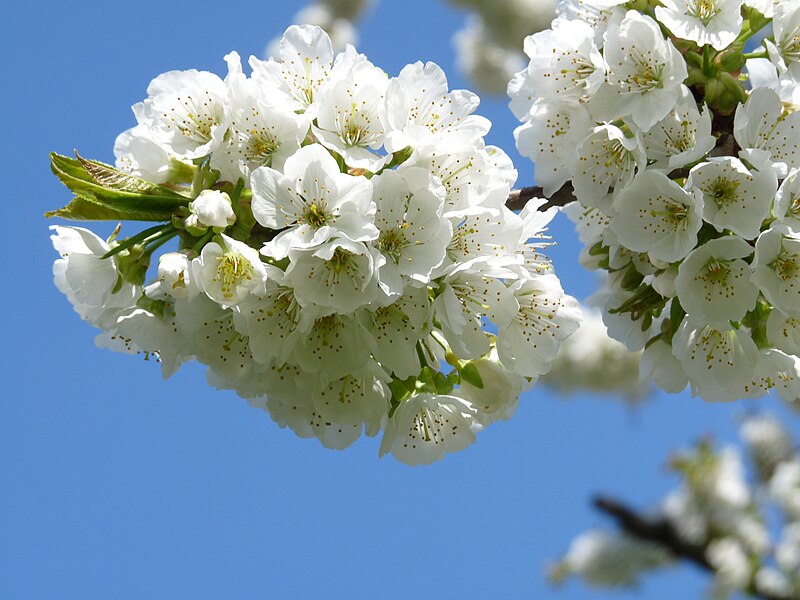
(661, 532)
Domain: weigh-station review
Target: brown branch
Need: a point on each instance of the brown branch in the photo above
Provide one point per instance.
(661, 532)
(518, 198)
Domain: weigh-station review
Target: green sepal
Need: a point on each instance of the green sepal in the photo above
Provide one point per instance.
(157, 307)
(443, 383)
(732, 59)
(757, 21)
(141, 237)
(676, 315)
(469, 373)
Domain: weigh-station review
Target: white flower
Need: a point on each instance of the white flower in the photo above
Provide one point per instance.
(656, 215)
(481, 233)
(784, 487)
(333, 346)
(783, 332)
(138, 153)
(185, 113)
(713, 283)
(730, 562)
(351, 115)
(472, 176)
(269, 319)
(151, 333)
(787, 201)
(174, 277)
(426, 426)
(769, 443)
(659, 364)
(590, 222)
(499, 396)
(608, 560)
(705, 22)
(546, 316)
(734, 197)
(719, 359)
(212, 338)
(262, 132)
(397, 328)
(87, 280)
(776, 268)
(413, 235)
(761, 124)
(764, 74)
(607, 163)
(787, 554)
(786, 27)
(211, 208)
(565, 62)
(344, 407)
(421, 112)
(338, 276)
(470, 291)
(645, 72)
(551, 138)
(229, 271)
(597, 13)
(682, 137)
(302, 68)
(314, 200)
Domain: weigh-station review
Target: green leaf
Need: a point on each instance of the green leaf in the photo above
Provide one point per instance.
(142, 237)
(469, 373)
(87, 209)
(74, 174)
(114, 179)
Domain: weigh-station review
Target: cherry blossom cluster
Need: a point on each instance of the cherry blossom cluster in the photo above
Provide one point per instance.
(742, 515)
(489, 46)
(346, 260)
(683, 153)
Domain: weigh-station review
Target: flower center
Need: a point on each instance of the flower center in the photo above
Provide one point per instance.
(393, 241)
(723, 191)
(786, 265)
(340, 261)
(232, 270)
(717, 272)
(704, 10)
(316, 216)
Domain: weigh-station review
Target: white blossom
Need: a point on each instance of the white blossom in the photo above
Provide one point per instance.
(713, 283)
(734, 197)
(228, 271)
(645, 73)
(426, 426)
(719, 359)
(776, 268)
(211, 208)
(705, 22)
(655, 215)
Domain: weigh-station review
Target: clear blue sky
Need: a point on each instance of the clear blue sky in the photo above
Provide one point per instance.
(116, 484)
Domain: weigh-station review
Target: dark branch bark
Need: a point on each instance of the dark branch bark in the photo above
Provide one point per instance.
(662, 533)
(519, 197)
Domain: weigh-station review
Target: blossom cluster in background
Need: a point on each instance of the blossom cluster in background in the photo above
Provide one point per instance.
(345, 261)
(683, 152)
(489, 46)
(741, 516)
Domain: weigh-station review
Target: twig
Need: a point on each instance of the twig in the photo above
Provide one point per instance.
(660, 531)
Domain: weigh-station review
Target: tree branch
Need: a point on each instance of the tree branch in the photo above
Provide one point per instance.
(518, 198)
(662, 533)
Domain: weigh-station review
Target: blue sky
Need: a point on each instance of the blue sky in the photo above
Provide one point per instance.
(116, 484)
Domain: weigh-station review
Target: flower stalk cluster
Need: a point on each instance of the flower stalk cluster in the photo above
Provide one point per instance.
(683, 153)
(345, 259)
